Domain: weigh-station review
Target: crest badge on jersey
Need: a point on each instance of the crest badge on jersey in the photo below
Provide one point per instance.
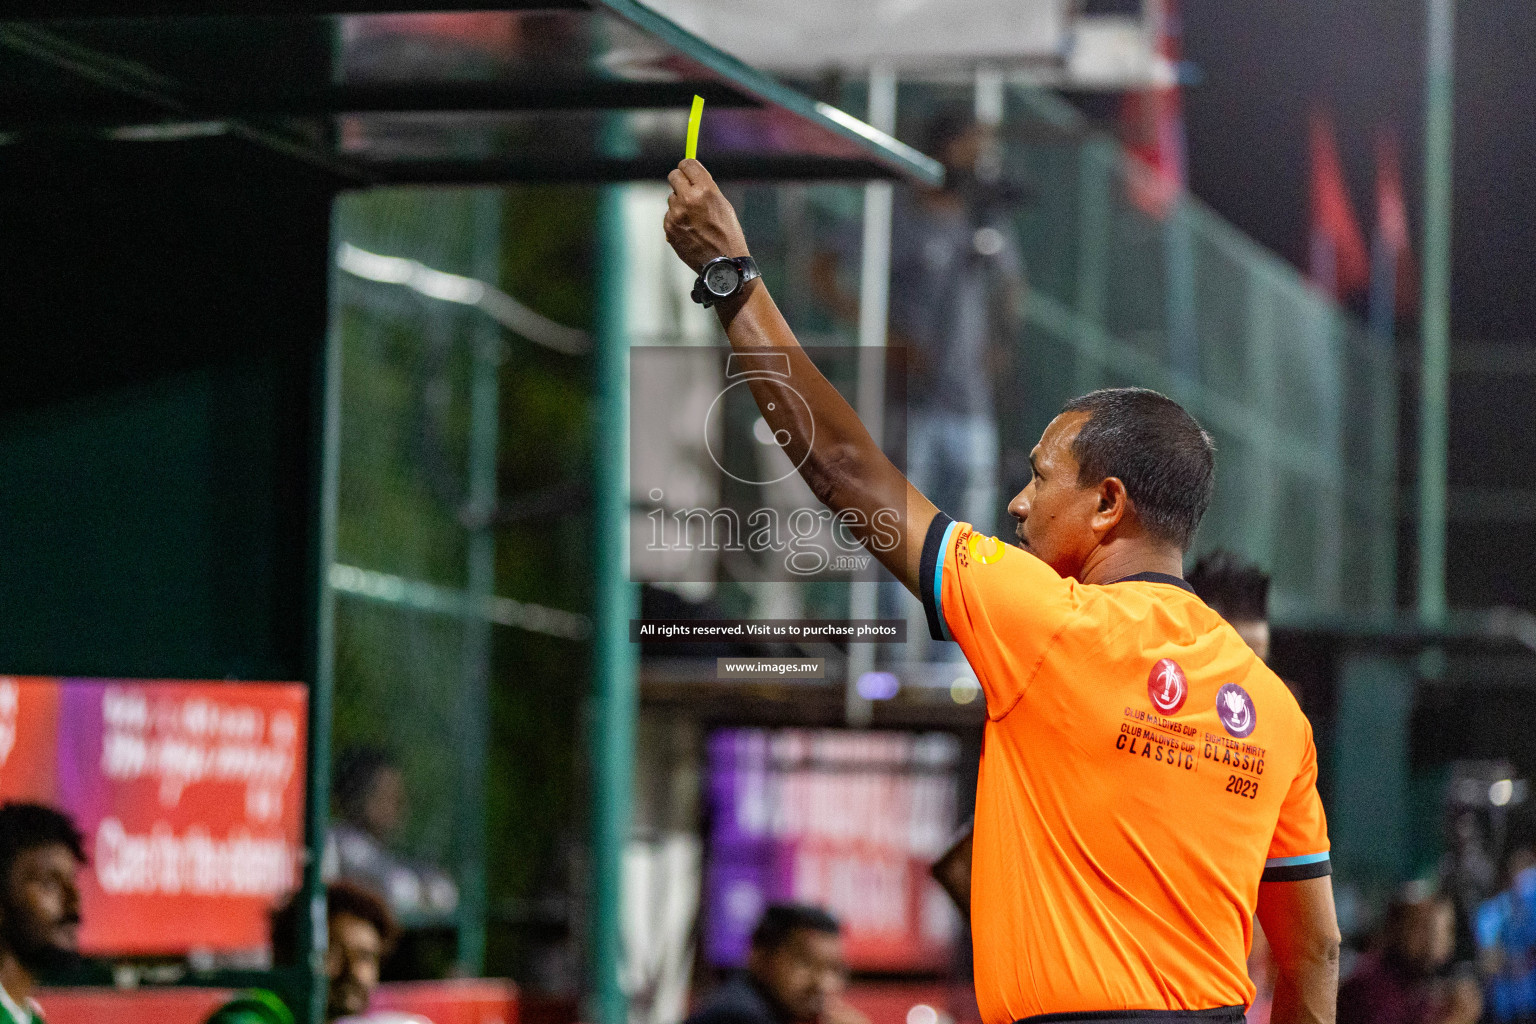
(984, 549)
(1167, 687)
(1236, 710)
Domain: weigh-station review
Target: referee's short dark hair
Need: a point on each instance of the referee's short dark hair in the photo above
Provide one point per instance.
(1235, 589)
(25, 826)
(1165, 459)
(781, 920)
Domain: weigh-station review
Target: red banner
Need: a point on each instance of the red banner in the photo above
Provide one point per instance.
(190, 796)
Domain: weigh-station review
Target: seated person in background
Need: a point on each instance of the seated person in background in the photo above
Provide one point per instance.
(40, 853)
(359, 932)
(371, 807)
(1401, 981)
(795, 973)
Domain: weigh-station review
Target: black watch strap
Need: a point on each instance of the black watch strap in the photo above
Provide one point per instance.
(749, 271)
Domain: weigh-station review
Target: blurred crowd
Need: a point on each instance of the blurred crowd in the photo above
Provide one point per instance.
(42, 852)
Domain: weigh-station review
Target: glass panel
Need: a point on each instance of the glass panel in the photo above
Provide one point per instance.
(450, 88)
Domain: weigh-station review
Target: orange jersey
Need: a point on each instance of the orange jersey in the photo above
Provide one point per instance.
(1142, 772)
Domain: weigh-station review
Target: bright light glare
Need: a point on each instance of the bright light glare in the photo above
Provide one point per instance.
(1501, 792)
(922, 1013)
(963, 690)
(878, 685)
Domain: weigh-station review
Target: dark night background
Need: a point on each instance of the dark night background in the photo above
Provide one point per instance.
(1262, 68)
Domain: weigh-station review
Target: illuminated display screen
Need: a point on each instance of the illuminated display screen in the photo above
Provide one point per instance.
(846, 820)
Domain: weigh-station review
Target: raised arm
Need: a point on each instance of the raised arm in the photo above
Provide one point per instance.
(1303, 932)
(845, 467)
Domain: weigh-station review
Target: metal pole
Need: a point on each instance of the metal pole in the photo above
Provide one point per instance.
(1095, 165)
(1434, 375)
(615, 663)
(313, 931)
(480, 585)
(874, 294)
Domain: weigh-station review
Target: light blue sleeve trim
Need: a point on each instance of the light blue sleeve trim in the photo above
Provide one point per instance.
(938, 580)
(1290, 862)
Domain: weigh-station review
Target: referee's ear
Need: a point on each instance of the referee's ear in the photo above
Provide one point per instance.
(1114, 504)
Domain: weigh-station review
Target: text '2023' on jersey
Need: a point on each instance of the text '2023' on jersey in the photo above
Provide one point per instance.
(1142, 772)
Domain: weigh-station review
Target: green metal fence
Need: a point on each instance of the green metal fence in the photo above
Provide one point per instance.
(1301, 401)
(462, 461)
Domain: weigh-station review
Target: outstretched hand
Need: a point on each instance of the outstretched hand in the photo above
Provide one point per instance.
(700, 222)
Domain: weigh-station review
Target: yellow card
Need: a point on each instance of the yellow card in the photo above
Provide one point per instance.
(694, 117)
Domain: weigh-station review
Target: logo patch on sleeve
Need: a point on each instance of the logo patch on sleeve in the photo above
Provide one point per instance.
(984, 549)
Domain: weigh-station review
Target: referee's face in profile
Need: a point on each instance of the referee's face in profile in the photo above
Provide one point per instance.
(1059, 520)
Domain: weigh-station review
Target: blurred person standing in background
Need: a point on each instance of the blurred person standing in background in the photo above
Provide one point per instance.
(957, 294)
(956, 302)
(1402, 981)
(371, 808)
(1238, 591)
(41, 852)
(795, 974)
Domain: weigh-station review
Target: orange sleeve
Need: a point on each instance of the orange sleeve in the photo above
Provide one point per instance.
(1299, 848)
(1001, 604)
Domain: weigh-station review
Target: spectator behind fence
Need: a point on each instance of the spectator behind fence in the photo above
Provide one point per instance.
(795, 973)
(956, 303)
(1505, 930)
(41, 851)
(359, 933)
(371, 808)
(1402, 981)
(1238, 591)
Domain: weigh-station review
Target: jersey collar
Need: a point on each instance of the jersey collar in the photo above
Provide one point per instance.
(1155, 577)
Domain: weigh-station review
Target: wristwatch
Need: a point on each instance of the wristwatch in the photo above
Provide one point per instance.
(723, 277)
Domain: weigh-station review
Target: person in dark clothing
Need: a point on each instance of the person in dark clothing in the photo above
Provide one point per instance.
(1401, 982)
(794, 974)
(1238, 591)
(371, 809)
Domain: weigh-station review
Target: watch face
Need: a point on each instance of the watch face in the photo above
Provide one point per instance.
(722, 278)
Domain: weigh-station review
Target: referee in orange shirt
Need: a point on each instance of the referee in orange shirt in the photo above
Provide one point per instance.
(1146, 785)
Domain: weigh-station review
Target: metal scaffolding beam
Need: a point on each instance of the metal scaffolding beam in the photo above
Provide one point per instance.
(1434, 376)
